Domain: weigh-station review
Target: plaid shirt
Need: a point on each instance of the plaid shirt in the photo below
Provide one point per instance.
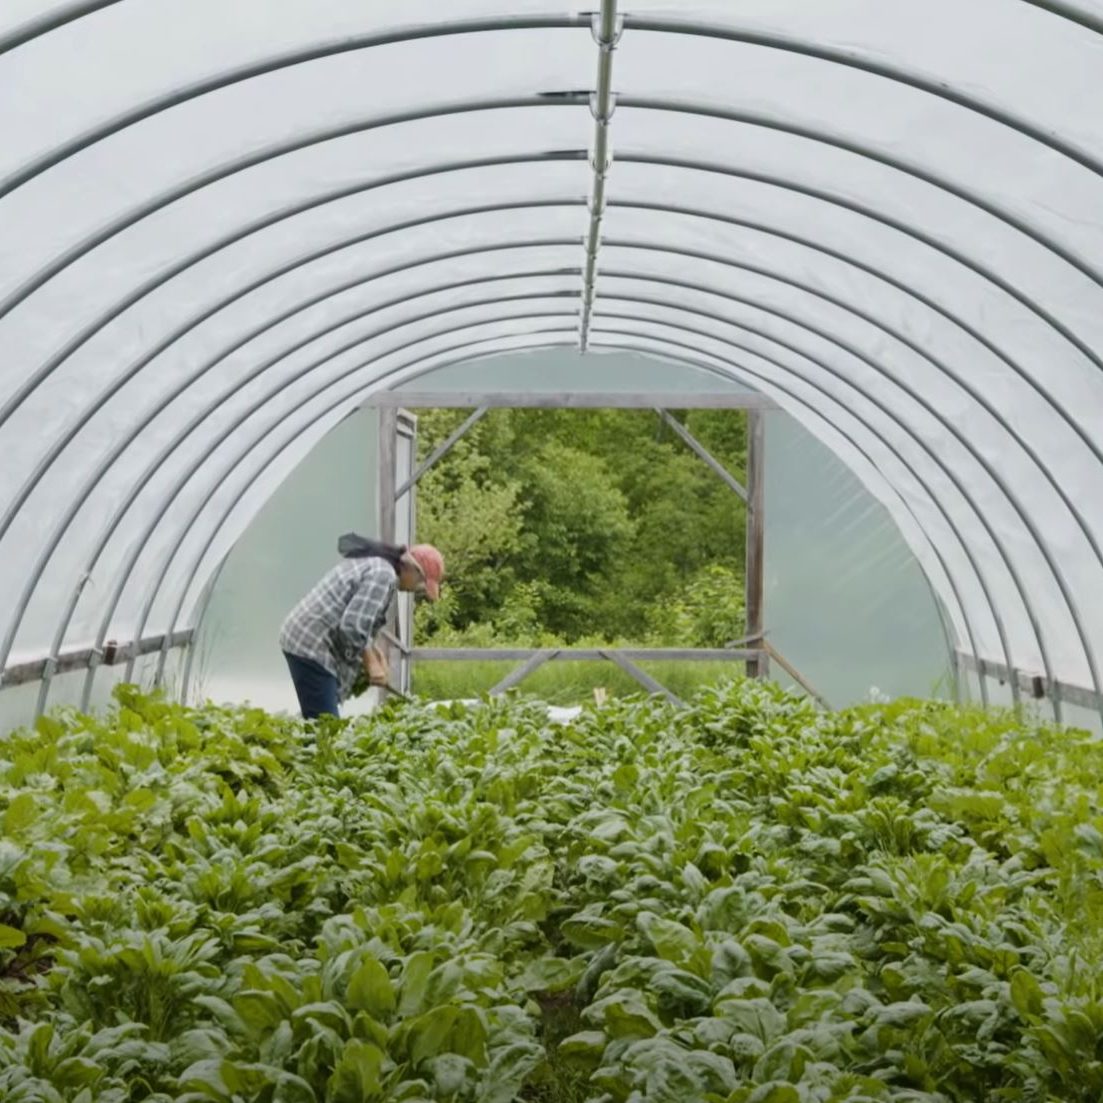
(340, 617)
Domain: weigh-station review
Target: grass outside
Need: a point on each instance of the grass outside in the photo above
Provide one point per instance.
(565, 683)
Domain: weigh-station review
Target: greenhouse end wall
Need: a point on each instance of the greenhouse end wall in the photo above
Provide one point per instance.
(846, 601)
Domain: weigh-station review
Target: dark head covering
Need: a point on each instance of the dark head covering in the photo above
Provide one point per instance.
(352, 546)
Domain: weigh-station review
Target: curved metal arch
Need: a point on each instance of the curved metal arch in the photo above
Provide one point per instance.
(138, 546)
(976, 393)
(917, 397)
(874, 67)
(319, 137)
(1041, 642)
(1037, 5)
(707, 290)
(1066, 11)
(654, 347)
(162, 278)
(36, 28)
(904, 463)
(90, 676)
(205, 86)
(861, 209)
(60, 442)
(881, 275)
(946, 468)
(882, 69)
(251, 160)
(59, 637)
(204, 599)
(867, 152)
(363, 340)
(923, 403)
(201, 415)
(741, 371)
(373, 385)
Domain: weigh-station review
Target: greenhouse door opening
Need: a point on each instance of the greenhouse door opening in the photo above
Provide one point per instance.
(399, 475)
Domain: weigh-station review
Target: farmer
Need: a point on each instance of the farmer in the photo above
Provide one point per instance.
(329, 637)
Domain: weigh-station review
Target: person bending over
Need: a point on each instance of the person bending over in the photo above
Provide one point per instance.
(329, 637)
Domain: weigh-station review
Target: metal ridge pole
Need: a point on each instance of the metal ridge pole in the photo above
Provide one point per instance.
(606, 27)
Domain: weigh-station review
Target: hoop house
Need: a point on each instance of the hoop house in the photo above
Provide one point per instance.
(226, 227)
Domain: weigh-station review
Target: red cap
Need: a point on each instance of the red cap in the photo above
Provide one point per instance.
(431, 563)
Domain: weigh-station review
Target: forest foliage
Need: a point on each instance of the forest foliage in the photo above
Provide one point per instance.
(570, 526)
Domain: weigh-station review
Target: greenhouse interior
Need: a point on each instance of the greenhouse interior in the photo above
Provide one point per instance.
(805, 296)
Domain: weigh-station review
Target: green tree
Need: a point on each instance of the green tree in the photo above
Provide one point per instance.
(466, 508)
(577, 533)
(565, 524)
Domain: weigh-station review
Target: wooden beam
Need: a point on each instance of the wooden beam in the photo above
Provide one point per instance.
(523, 671)
(33, 670)
(582, 654)
(757, 667)
(576, 400)
(394, 641)
(702, 452)
(387, 471)
(442, 450)
(388, 518)
(645, 680)
(1033, 684)
(794, 674)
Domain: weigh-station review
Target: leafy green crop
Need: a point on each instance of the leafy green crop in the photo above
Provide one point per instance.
(745, 901)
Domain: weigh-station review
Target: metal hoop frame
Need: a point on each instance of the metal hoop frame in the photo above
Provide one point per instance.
(810, 50)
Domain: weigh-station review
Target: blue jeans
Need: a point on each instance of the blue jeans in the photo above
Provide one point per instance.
(315, 687)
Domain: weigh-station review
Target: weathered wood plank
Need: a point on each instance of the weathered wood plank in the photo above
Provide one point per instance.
(645, 679)
(34, 669)
(579, 400)
(581, 654)
(523, 671)
(757, 667)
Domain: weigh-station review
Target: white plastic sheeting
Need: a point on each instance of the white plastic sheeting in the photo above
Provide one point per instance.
(221, 226)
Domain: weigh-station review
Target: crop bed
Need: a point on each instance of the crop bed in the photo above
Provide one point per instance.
(743, 902)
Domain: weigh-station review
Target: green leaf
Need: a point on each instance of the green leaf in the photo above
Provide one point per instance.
(260, 1011)
(589, 932)
(625, 1015)
(427, 1035)
(205, 1078)
(783, 1061)
(1026, 994)
(584, 1049)
(243, 1078)
(468, 1036)
(355, 1078)
(510, 1066)
(415, 982)
(11, 937)
(757, 1017)
(902, 1014)
(450, 1073)
(370, 989)
(671, 940)
(77, 1072)
(552, 974)
(21, 813)
(776, 1092)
